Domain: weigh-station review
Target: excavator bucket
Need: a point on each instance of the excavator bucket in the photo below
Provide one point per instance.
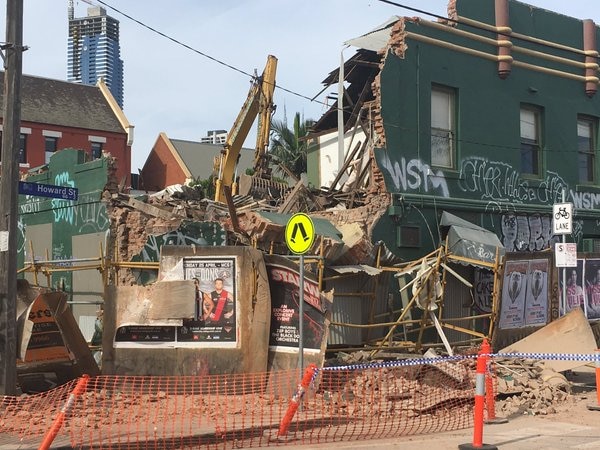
(263, 188)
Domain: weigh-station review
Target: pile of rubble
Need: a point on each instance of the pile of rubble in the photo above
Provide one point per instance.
(520, 386)
(528, 387)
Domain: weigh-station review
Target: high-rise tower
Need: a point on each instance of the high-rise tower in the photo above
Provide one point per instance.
(94, 51)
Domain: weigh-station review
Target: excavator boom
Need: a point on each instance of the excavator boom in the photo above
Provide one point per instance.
(259, 102)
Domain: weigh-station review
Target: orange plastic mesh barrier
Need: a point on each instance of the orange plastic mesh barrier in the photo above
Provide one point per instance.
(243, 411)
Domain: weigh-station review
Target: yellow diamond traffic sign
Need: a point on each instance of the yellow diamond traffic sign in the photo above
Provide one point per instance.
(299, 233)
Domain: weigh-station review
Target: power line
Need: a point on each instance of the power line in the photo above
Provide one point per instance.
(201, 53)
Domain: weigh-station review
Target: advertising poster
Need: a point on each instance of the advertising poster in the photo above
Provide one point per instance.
(514, 288)
(214, 321)
(483, 288)
(46, 342)
(214, 303)
(592, 288)
(145, 334)
(575, 294)
(285, 331)
(536, 301)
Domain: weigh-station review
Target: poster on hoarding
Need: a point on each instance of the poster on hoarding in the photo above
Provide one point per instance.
(575, 294)
(214, 305)
(592, 288)
(46, 342)
(285, 304)
(536, 301)
(483, 288)
(214, 301)
(514, 288)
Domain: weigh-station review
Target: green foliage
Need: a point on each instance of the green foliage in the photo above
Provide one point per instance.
(207, 186)
(287, 147)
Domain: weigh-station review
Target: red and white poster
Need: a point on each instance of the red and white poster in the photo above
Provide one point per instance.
(285, 311)
(215, 301)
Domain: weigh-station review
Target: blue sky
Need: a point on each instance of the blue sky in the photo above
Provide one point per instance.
(172, 89)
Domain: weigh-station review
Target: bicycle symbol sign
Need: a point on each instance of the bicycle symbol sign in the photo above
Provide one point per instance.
(562, 218)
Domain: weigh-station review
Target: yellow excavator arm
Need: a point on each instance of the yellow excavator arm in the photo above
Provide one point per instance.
(259, 102)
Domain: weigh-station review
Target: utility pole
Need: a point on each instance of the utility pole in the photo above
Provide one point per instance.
(9, 179)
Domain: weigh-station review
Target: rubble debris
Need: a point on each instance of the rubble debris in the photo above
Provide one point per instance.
(528, 387)
(399, 393)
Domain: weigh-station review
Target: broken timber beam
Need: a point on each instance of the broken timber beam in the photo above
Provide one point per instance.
(151, 210)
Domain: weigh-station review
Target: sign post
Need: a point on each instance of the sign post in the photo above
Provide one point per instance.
(299, 237)
(562, 223)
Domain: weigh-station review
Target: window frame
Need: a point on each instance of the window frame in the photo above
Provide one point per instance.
(531, 146)
(449, 134)
(590, 151)
(49, 153)
(94, 147)
(22, 148)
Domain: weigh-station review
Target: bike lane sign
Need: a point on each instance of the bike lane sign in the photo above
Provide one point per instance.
(562, 218)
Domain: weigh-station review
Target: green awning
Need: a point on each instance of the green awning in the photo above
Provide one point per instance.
(469, 240)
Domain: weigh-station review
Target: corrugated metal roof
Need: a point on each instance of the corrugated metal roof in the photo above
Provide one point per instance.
(63, 103)
(375, 39)
(199, 157)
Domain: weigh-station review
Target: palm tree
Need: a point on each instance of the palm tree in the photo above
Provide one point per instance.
(287, 146)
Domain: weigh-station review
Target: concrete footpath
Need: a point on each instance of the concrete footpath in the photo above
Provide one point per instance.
(520, 433)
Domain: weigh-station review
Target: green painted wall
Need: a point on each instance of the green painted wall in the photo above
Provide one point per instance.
(68, 218)
(486, 185)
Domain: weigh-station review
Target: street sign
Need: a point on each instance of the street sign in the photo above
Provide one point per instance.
(48, 190)
(562, 218)
(299, 233)
(565, 254)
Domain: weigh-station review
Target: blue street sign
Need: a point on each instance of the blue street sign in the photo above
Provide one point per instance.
(48, 190)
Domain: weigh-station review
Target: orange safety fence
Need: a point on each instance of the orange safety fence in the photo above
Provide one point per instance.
(247, 410)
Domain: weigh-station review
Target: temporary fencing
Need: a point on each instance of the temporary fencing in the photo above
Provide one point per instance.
(353, 402)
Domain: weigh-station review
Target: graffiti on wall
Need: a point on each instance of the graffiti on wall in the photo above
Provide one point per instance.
(87, 215)
(31, 205)
(494, 181)
(499, 181)
(414, 175)
(21, 227)
(200, 234)
(532, 232)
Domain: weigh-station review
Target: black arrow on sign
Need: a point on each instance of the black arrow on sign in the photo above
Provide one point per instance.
(299, 227)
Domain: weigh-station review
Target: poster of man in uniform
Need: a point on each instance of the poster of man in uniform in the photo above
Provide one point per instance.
(536, 300)
(575, 294)
(285, 302)
(215, 301)
(592, 288)
(514, 289)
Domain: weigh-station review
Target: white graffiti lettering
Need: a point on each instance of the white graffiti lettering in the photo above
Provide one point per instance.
(499, 181)
(585, 200)
(415, 175)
